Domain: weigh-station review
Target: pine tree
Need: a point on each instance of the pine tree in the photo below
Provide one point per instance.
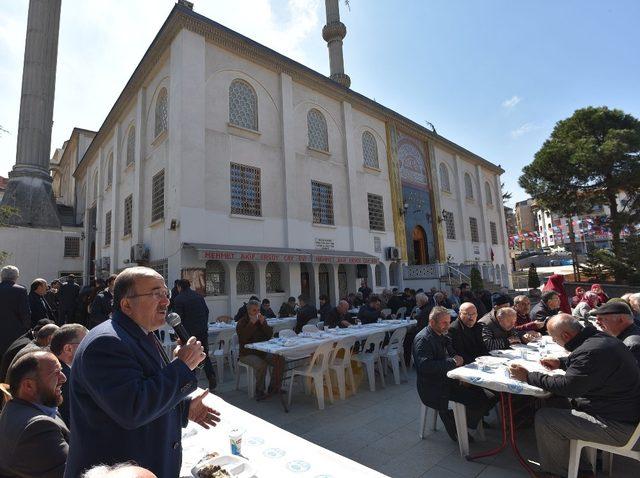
(534, 280)
(476, 280)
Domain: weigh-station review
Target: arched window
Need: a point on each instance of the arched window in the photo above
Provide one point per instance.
(273, 277)
(445, 185)
(215, 278)
(109, 170)
(487, 192)
(162, 113)
(245, 278)
(131, 146)
(243, 105)
(393, 274)
(95, 187)
(378, 274)
(369, 150)
(317, 130)
(468, 186)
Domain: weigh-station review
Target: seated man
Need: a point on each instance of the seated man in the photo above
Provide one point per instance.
(371, 312)
(434, 356)
(42, 341)
(603, 381)
(17, 345)
(339, 316)
(615, 318)
(34, 441)
(498, 301)
(522, 306)
(251, 328)
(466, 334)
(306, 312)
(325, 307)
(423, 308)
(499, 331)
(266, 310)
(288, 308)
(243, 308)
(548, 306)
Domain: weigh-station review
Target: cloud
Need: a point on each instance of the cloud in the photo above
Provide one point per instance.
(524, 129)
(511, 102)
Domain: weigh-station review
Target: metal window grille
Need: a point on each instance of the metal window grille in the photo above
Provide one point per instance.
(107, 228)
(273, 277)
(162, 113)
(376, 212)
(215, 278)
(157, 196)
(473, 225)
(109, 170)
(494, 232)
(445, 184)
(377, 244)
(128, 215)
(487, 192)
(322, 203)
(450, 224)
(369, 150)
(131, 146)
(71, 246)
(245, 278)
(468, 186)
(317, 130)
(161, 267)
(243, 105)
(245, 190)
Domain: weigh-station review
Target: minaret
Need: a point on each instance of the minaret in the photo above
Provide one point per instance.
(333, 33)
(29, 188)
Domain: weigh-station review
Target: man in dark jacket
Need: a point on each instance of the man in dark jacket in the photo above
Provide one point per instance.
(603, 381)
(102, 306)
(15, 315)
(339, 316)
(18, 344)
(69, 292)
(434, 356)
(325, 307)
(616, 319)
(266, 310)
(288, 308)
(370, 312)
(306, 312)
(548, 306)
(52, 297)
(466, 334)
(242, 311)
(499, 331)
(193, 310)
(498, 301)
(365, 290)
(395, 302)
(39, 307)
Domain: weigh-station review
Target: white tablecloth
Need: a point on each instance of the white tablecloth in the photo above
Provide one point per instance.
(277, 324)
(271, 451)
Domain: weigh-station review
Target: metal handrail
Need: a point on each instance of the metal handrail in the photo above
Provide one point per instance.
(456, 271)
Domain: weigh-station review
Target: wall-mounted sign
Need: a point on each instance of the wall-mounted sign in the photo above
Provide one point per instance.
(476, 250)
(325, 244)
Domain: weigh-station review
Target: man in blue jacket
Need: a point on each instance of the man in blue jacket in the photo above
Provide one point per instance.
(128, 400)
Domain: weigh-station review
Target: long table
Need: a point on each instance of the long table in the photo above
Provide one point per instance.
(277, 324)
(271, 451)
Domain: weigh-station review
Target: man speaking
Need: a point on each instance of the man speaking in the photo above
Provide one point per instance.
(128, 400)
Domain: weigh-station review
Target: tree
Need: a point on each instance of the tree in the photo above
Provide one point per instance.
(534, 279)
(589, 159)
(602, 264)
(476, 280)
(506, 195)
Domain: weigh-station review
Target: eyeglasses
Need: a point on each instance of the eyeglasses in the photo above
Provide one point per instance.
(157, 294)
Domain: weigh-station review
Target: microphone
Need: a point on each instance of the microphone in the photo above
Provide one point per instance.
(175, 322)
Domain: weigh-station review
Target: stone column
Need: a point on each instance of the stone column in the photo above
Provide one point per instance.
(29, 188)
(333, 33)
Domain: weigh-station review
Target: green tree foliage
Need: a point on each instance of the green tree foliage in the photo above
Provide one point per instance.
(625, 268)
(534, 279)
(476, 280)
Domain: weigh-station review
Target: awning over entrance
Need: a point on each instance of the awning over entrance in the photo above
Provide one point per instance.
(218, 252)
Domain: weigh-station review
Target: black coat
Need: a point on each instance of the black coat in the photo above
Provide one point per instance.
(286, 310)
(101, 308)
(15, 314)
(193, 310)
(467, 342)
(433, 356)
(268, 313)
(65, 407)
(541, 312)
(68, 293)
(493, 335)
(334, 318)
(369, 315)
(16, 346)
(395, 302)
(40, 309)
(631, 338)
(324, 311)
(602, 377)
(305, 314)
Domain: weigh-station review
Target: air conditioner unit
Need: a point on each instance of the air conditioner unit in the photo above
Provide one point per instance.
(392, 253)
(139, 253)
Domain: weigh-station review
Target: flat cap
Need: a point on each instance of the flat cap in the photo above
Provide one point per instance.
(612, 308)
(500, 299)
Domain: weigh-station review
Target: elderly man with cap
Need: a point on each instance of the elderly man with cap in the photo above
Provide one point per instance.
(615, 318)
(498, 301)
(466, 334)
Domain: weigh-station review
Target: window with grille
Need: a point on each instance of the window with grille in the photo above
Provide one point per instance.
(494, 232)
(273, 277)
(71, 246)
(215, 278)
(161, 267)
(157, 196)
(468, 186)
(473, 225)
(377, 244)
(487, 192)
(449, 224)
(322, 203)
(128, 215)
(243, 105)
(376, 212)
(109, 170)
(245, 278)
(370, 150)
(317, 130)
(131, 146)
(445, 184)
(378, 274)
(107, 228)
(245, 190)
(162, 113)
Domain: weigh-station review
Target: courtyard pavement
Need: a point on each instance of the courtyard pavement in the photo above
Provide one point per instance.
(380, 430)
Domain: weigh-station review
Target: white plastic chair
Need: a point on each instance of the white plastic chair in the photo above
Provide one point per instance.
(401, 313)
(165, 339)
(393, 354)
(422, 422)
(251, 378)
(385, 312)
(370, 357)
(318, 370)
(311, 328)
(460, 414)
(286, 333)
(627, 450)
(221, 351)
(340, 364)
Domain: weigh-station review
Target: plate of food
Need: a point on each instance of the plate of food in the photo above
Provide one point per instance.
(226, 466)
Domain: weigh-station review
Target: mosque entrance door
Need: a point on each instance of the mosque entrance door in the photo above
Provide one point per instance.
(420, 255)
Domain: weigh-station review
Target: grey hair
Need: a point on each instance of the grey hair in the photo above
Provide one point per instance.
(635, 296)
(253, 302)
(519, 298)
(505, 311)
(438, 311)
(103, 471)
(421, 298)
(9, 273)
(565, 323)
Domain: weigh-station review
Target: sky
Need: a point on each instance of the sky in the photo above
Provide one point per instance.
(494, 76)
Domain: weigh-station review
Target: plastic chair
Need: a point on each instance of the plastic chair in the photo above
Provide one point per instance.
(422, 422)
(251, 378)
(318, 370)
(286, 333)
(393, 354)
(385, 312)
(311, 328)
(165, 339)
(402, 311)
(340, 364)
(221, 351)
(459, 412)
(627, 450)
(370, 357)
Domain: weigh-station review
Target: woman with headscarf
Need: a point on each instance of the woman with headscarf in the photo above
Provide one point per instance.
(555, 283)
(588, 302)
(602, 297)
(575, 300)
